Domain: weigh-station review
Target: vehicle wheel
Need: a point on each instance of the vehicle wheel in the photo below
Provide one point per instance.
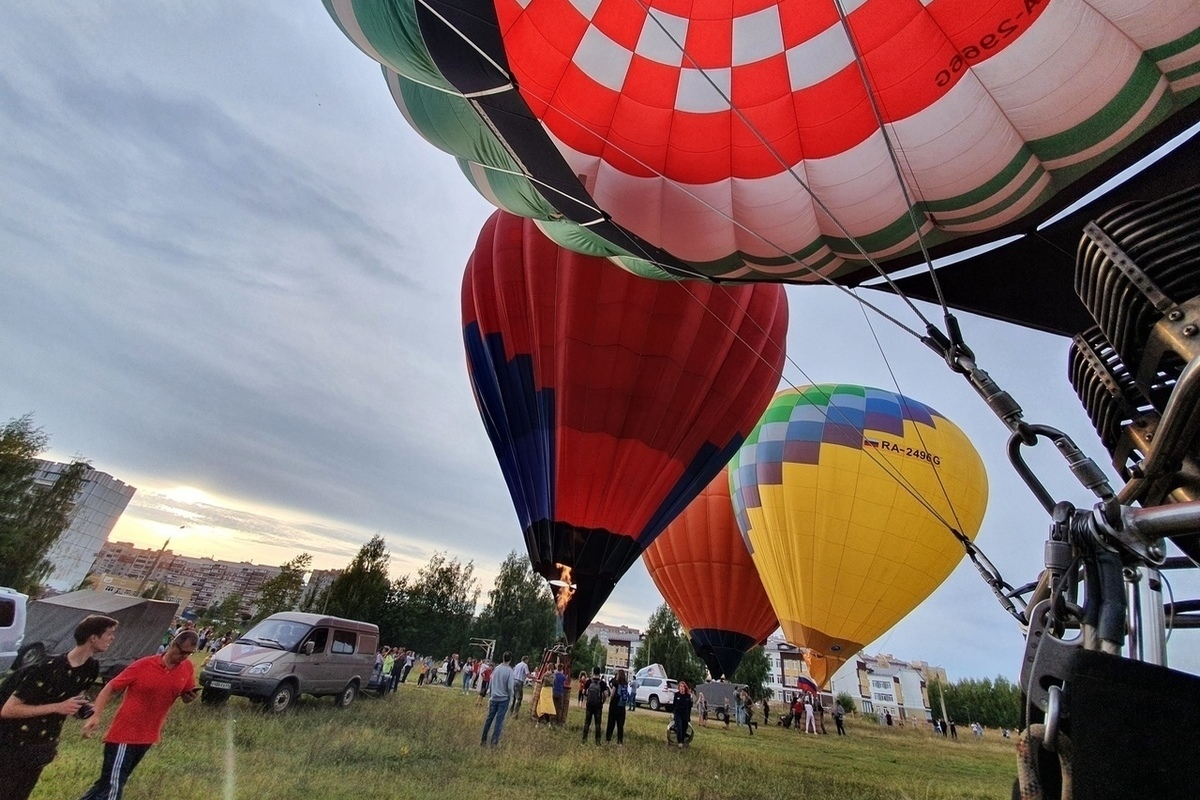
(720, 716)
(654, 705)
(213, 697)
(347, 696)
(673, 739)
(29, 655)
(281, 699)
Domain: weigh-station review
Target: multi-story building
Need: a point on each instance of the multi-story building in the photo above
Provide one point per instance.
(94, 513)
(115, 584)
(620, 642)
(319, 581)
(884, 683)
(209, 580)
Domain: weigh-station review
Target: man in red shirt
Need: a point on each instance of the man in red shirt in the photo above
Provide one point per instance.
(151, 685)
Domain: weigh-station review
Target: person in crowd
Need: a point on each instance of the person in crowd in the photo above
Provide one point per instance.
(583, 679)
(500, 681)
(748, 712)
(681, 709)
(887, 716)
(616, 708)
(409, 659)
(839, 717)
(953, 730)
(485, 679)
(453, 665)
(561, 692)
(633, 686)
(520, 675)
(385, 669)
(150, 687)
(820, 709)
(468, 671)
(35, 702)
(766, 707)
(726, 711)
(595, 690)
(702, 708)
(393, 674)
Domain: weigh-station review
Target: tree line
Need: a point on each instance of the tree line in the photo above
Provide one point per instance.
(992, 703)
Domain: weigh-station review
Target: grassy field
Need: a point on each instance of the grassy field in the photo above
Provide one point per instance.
(424, 742)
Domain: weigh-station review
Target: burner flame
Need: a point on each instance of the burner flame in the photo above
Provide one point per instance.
(566, 589)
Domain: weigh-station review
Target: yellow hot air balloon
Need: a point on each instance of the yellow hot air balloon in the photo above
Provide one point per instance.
(844, 495)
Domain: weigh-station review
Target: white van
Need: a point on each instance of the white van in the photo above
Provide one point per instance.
(290, 654)
(12, 626)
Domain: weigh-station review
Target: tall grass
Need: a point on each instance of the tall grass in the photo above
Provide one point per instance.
(424, 742)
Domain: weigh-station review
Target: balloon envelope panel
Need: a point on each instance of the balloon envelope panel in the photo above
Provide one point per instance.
(844, 494)
(610, 400)
(735, 139)
(701, 566)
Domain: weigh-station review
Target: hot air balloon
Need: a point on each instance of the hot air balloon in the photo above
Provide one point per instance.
(702, 568)
(779, 139)
(845, 496)
(610, 400)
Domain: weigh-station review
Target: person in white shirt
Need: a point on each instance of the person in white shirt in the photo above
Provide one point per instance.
(520, 673)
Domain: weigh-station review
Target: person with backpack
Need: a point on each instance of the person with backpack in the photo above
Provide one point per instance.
(594, 692)
(37, 699)
(616, 708)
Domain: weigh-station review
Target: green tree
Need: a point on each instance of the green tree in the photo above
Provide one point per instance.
(282, 593)
(520, 610)
(361, 591)
(225, 615)
(996, 704)
(434, 612)
(32, 516)
(755, 671)
(666, 644)
(846, 701)
(587, 654)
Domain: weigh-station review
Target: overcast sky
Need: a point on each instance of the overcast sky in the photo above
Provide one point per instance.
(229, 276)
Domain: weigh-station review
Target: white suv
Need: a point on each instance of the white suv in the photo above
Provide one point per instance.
(655, 692)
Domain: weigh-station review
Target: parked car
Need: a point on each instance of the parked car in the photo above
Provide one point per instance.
(655, 692)
(12, 627)
(290, 654)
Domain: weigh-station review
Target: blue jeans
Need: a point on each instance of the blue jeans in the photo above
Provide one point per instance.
(496, 711)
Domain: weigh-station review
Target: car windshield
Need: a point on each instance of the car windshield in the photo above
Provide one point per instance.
(277, 633)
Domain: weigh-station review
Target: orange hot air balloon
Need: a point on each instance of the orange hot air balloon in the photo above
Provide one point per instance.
(701, 566)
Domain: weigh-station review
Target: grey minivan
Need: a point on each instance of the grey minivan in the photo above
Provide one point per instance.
(290, 654)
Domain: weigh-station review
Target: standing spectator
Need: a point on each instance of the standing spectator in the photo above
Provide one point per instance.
(583, 679)
(681, 708)
(38, 700)
(594, 692)
(953, 730)
(616, 708)
(561, 693)
(633, 687)
(151, 686)
(726, 709)
(821, 717)
(887, 715)
(453, 665)
(839, 715)
(702, 707)
(385, 669)
(766, 711)
(520, 675)
(393, 675)
(409, 657)
(467, 671)
(485, 679)
(501, 685)
(810, 722)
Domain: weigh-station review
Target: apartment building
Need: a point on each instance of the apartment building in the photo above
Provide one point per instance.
(209, 580)
(620, 642)
(94, 513)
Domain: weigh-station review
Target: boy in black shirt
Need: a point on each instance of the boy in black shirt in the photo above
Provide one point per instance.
(40, 698)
